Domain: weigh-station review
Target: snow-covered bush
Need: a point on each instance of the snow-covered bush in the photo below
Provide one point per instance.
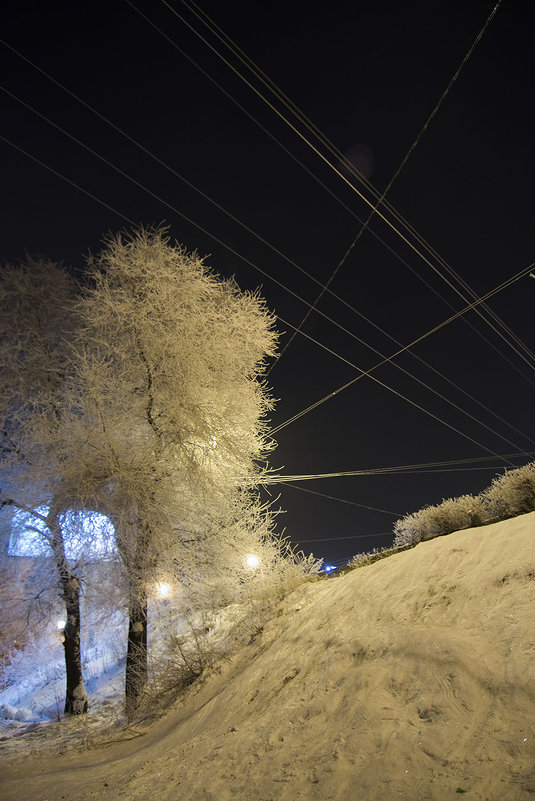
(369, 558)
(511, 494)
(452, 514)
(202, 622)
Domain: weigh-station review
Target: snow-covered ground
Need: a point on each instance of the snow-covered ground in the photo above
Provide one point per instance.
(34, 694)
(413, 678)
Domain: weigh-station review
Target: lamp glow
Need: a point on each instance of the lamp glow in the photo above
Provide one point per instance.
(163, 589)
(61, 624)
(252, 560)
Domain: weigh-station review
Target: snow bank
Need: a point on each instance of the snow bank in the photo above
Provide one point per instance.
(413, 678)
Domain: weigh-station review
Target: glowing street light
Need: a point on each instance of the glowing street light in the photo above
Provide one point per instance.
(252, 560)
(61, 624)
(163, 589)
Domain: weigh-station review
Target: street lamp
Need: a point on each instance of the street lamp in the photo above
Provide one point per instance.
(163, 589)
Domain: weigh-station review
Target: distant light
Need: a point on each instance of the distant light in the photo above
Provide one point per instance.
(328, 568)
(163, 589)
(61, 624)
(252, 560)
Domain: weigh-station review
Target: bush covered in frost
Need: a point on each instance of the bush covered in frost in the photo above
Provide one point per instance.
(369, 558)
(212, 620)
(452, 514)
(509, 495)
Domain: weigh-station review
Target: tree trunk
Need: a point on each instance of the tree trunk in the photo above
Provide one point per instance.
(76, 701)
(136, 653)
(133, 542)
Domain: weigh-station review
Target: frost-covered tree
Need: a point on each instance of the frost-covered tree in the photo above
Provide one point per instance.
(149, 408)
(36, 326)
(171, 405)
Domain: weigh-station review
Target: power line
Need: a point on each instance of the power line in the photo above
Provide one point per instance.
(352, 537)
(261, 239)
(410, 469)
(315, 405)
(340, 500)
(67, 180)
(128, 220)
(324, 186)
(272, 88)
(232, 250)
(317, 476)
(404, 161)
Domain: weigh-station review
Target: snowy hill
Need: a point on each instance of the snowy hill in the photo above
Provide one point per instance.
(413, 678)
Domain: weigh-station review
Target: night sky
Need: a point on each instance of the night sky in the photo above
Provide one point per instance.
(368, 75)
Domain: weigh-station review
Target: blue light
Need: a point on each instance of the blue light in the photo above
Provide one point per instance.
(85, 533)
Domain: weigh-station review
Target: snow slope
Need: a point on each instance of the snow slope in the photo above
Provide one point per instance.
(413, 678)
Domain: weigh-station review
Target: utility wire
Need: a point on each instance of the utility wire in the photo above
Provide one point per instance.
(258, 237)
(332, 166)
(322, 184)
(492, 292)
(363, 473)
(67, 180)
(232, 250)
(381, 199)
(340, 500)
(353, 537)
(111, 208)
(410, 469)
(272, 87)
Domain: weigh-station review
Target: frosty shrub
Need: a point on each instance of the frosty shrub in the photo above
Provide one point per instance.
(453, 514)
(510, 495)
(369, 558)
(206, 615)
(182, 656)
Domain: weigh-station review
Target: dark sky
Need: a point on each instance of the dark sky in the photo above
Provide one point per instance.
(367, 74)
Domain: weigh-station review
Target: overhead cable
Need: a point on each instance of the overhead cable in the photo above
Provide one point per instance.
(340, 500)
(527, 356)
(232, 250)
(352, 537)
(67, 180)
(408, 469)
(265, 242)
(363, 373)
(271, 86)
(322, 184)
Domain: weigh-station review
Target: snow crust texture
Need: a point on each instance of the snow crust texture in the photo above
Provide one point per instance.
(413, 678)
